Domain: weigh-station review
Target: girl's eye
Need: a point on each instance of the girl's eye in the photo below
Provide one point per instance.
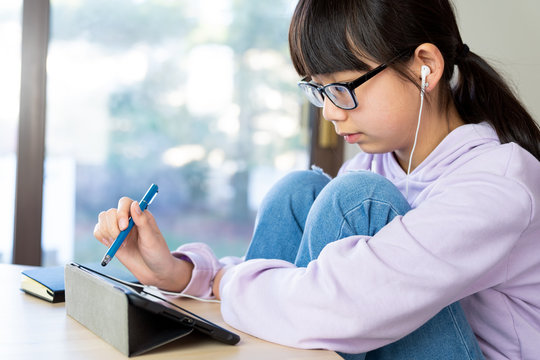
(339, 90)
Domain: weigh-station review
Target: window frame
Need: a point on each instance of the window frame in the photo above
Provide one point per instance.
(31, 135)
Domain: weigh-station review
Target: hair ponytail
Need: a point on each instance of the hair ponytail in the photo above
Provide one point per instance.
(481, 94)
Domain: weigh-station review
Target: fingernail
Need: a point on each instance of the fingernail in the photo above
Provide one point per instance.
(138, 209)
(123, 224)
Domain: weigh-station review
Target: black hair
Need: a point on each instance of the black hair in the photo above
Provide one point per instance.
(328, 36)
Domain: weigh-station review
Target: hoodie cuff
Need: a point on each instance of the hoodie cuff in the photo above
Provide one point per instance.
(205, 267)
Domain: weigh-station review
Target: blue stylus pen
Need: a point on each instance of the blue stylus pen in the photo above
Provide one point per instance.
(145, 201)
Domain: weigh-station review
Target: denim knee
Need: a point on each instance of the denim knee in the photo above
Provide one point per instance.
(369, 186)
(300, 183)
(302, 178)
(282, 215)
(356, 203)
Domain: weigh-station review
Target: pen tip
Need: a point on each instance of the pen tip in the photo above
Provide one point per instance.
(106, 260)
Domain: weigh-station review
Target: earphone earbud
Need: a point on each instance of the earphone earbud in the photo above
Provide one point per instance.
(424, 72)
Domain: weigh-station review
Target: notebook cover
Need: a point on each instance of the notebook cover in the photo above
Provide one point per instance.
(51, 278)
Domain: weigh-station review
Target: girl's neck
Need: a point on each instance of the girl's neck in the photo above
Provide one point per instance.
(433, 129)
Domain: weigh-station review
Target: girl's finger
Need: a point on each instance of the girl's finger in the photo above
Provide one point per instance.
(123, 212)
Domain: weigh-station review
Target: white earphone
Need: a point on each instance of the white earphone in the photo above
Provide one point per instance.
(424, 72)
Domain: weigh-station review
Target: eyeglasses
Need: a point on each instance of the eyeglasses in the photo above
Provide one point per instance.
(340, 94)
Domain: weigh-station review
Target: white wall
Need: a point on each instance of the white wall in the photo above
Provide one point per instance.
(507, 34)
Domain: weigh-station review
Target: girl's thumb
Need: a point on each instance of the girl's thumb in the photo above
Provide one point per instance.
(137, 215)
(143, 220)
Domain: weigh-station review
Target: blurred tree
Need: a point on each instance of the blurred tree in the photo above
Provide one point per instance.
(255, 25)
(143, 122)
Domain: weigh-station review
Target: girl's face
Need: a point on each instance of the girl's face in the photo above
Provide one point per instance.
(386, 116)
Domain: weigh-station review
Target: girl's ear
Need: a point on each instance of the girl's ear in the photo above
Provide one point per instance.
(428, 55)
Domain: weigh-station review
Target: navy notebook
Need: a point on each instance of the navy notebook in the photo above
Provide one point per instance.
(47, 283)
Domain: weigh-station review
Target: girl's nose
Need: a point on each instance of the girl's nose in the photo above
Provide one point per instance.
(332, 113)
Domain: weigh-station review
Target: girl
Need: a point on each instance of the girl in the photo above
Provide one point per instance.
(426, 244)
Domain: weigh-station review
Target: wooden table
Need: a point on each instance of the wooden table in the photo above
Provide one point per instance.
(31, 328)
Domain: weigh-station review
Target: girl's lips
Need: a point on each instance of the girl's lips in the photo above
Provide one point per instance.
(352, 138)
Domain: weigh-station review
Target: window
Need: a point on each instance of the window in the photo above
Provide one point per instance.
(10, 64)
(198, 97)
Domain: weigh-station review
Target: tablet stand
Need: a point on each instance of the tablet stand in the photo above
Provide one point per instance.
(106, 311)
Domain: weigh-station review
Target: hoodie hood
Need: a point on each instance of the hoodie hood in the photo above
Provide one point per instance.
(462, 144)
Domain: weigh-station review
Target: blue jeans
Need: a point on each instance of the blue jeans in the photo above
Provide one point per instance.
(307, 210)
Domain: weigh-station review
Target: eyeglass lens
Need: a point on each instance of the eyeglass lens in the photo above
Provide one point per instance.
(338, 94)
(313, 95)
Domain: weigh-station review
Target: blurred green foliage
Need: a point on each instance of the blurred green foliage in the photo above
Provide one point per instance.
(142, 126)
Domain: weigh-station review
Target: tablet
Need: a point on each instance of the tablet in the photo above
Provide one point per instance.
(138, 297)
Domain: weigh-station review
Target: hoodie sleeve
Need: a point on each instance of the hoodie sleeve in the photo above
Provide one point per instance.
(205, 267)
(454, 244)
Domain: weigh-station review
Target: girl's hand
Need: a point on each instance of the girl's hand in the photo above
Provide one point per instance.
(144, 251)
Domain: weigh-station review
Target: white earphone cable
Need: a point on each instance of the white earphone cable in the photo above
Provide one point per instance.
(415, 139)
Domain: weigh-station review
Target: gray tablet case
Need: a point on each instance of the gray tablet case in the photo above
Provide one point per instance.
(106, 311)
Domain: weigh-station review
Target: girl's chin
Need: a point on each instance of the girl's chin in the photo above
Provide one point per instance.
(367, 144)
(371, 148)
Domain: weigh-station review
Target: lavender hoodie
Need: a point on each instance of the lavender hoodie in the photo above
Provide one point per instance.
(473, 235)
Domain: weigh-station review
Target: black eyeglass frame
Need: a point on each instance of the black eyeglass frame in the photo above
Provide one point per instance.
(351, 85)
